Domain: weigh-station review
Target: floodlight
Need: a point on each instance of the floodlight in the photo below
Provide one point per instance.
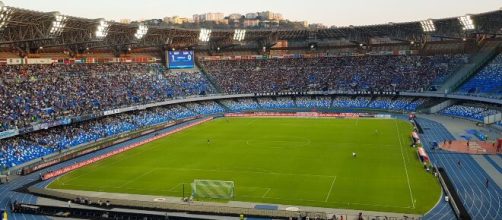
(428, 25)
(57, 25)
(5, 15)
(141, 31)
(466, 22)
(239, 34)
(205, 35)
(102, 29)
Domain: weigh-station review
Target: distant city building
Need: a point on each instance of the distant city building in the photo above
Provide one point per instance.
(234, 16)
(208, 17)
(317, 25)
(222, 21)
(268, 15)
(264, 19)
(176, 20)
(153, 22)
(269, 24)
(125, 21)
(250, 23)
(304, 23)
(251, 15)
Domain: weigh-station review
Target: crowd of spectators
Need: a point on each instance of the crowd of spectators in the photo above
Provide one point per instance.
(313, 102)
(476, 113)
(40, 93)
(414, 105)
(349, 102)
(487, 82)
(277, 103)
(31, 94)
(20, 149)
(205, 108)
(381, 103)
(240, 104)
(397, 104)
(400, 103)
(375, 73)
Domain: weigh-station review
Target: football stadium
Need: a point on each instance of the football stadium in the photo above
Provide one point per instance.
(249, 116)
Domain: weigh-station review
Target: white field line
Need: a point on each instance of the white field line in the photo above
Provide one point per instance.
(136, 178)
(405, 167)
(173, 189)
(118, 187)
(246, 171)
(330, 189)
(265, 194)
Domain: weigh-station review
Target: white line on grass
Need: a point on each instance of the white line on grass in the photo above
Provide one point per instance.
(265, 194)
(173, 189)
(136, 178)
(244, 171)
(404, 162)
(330, 189)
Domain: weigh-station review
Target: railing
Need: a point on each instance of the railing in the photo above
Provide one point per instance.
(453, 197)
(181, 206)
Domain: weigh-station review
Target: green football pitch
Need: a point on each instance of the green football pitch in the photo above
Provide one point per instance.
(291, 161)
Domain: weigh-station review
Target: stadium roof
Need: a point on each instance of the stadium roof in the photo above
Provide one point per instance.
(27, 30)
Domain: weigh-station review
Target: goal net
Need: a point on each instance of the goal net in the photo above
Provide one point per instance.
(213, 189)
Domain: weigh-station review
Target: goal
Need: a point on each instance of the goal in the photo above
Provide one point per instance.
(213, 189)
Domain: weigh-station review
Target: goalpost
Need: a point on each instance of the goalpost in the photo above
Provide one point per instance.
(213, 189)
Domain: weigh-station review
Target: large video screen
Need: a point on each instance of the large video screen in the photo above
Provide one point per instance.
(182, 59)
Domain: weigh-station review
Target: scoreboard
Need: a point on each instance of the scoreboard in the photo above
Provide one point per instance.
(182, 59)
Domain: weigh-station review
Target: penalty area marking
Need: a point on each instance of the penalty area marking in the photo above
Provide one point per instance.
(330, 189)
(173, 189)
(265, 194)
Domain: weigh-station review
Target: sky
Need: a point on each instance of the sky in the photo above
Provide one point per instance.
(328, 12)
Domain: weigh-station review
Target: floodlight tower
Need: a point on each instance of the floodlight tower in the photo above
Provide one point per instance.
(58, 24)
(102, 29)
(141, 31)
(239, 34)
(205, 35)
(428, 26)
(5, 14)
(467, 23)
(238, 37)
(204, 38)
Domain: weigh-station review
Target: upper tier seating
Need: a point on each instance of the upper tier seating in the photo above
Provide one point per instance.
(382, 73)
(31, 94)
(487, 82)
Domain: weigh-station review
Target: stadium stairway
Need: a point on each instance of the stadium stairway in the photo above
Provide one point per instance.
(227, 109)
(209, 78)
(469, 178)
